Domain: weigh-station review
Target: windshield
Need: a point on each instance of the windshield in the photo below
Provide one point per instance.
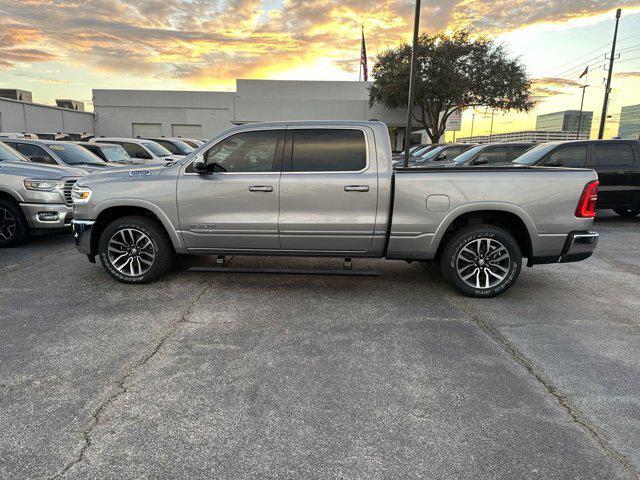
(115, 153)
(421, 151)
(156, 149)
(8, 153)
(75, 155)
(468, 155)
(183, 147)
(530, 157)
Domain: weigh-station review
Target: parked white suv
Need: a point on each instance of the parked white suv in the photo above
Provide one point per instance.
(140, 148)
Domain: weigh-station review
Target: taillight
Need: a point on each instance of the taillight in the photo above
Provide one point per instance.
(587, 203)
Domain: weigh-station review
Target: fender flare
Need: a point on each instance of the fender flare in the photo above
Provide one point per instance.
(12, 193)
(136, 202)
(454, 214)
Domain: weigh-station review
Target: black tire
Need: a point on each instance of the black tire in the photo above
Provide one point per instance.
(140, 227)
(487, 267)
(627, 212)
(14, 230)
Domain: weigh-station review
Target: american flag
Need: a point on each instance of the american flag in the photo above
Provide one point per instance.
(363, 58)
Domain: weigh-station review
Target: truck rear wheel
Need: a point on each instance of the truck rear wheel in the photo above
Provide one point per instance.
(481, 260)
(627, 212)
(135, 250)
(13, 226)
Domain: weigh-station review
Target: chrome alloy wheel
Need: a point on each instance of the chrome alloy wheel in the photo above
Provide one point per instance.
(483, 263)
(131, 252)
(7, 224)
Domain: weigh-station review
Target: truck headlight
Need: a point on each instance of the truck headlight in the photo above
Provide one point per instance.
(42, 185)
(80, 195)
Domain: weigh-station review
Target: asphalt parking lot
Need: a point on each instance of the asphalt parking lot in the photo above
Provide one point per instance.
(253, 375)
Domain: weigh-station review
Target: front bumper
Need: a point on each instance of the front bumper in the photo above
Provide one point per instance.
(82, 235)
(578, 246)
(47, 215)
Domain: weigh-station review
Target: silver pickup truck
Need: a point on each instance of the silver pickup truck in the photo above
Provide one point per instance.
(329, 189)
(33, 197)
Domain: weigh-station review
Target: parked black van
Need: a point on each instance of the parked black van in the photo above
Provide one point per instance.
(617, 163)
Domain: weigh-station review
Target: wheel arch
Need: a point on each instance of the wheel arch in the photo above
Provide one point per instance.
(10, 194)
(508, 216)
(107, 212)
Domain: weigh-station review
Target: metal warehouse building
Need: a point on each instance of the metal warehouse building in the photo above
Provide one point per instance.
(148, 113)
(23, 116)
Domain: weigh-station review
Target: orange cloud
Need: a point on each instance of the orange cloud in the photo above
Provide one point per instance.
(210, 43)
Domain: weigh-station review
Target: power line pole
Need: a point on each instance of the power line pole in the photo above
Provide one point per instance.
(607, 90)
(412, 86)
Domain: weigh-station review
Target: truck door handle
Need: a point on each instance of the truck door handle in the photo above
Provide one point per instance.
(356, 188)
(261, 188)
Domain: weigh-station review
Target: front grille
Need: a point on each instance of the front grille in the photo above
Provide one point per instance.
(68, 185)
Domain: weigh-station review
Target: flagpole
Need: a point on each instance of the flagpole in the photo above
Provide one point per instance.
(360, 68)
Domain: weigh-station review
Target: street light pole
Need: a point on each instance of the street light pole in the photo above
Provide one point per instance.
(605, 104)
(473, 120)
(491, 130)
(584, 89)
(412, 86)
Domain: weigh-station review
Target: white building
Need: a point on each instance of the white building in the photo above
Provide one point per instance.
(18, 116)
(533, 136)
(200, 114)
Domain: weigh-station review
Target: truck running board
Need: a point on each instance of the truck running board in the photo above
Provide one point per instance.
(346, 270)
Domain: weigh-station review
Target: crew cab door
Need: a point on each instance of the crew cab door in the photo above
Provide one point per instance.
(328, 190)
(235, 207)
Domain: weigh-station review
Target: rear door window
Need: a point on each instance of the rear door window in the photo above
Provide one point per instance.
(519, 150)
(571, 156)
(134, 150)
(452, 152)
(614, 155)
(328, 150)
(493, 155)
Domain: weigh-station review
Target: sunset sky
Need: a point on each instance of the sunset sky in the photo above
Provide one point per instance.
(63, 49)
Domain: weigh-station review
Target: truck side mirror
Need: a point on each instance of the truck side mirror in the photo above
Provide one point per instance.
(199, 165)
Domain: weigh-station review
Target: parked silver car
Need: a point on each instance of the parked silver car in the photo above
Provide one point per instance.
(140, 149)
(33, 197)
(64, 154)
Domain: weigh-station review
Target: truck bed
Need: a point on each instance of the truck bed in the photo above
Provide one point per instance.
(427, 201)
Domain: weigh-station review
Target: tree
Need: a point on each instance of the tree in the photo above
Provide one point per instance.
(453, 72)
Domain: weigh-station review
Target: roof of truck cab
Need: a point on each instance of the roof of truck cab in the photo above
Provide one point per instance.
(283, 124)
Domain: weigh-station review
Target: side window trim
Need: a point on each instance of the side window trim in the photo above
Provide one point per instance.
(287, 163)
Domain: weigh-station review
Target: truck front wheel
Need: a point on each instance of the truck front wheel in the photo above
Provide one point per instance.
(481, 260)
(134, 250)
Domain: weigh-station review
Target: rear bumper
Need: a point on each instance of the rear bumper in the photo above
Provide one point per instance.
(82, 235)
(47, 215)
(578, 246)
